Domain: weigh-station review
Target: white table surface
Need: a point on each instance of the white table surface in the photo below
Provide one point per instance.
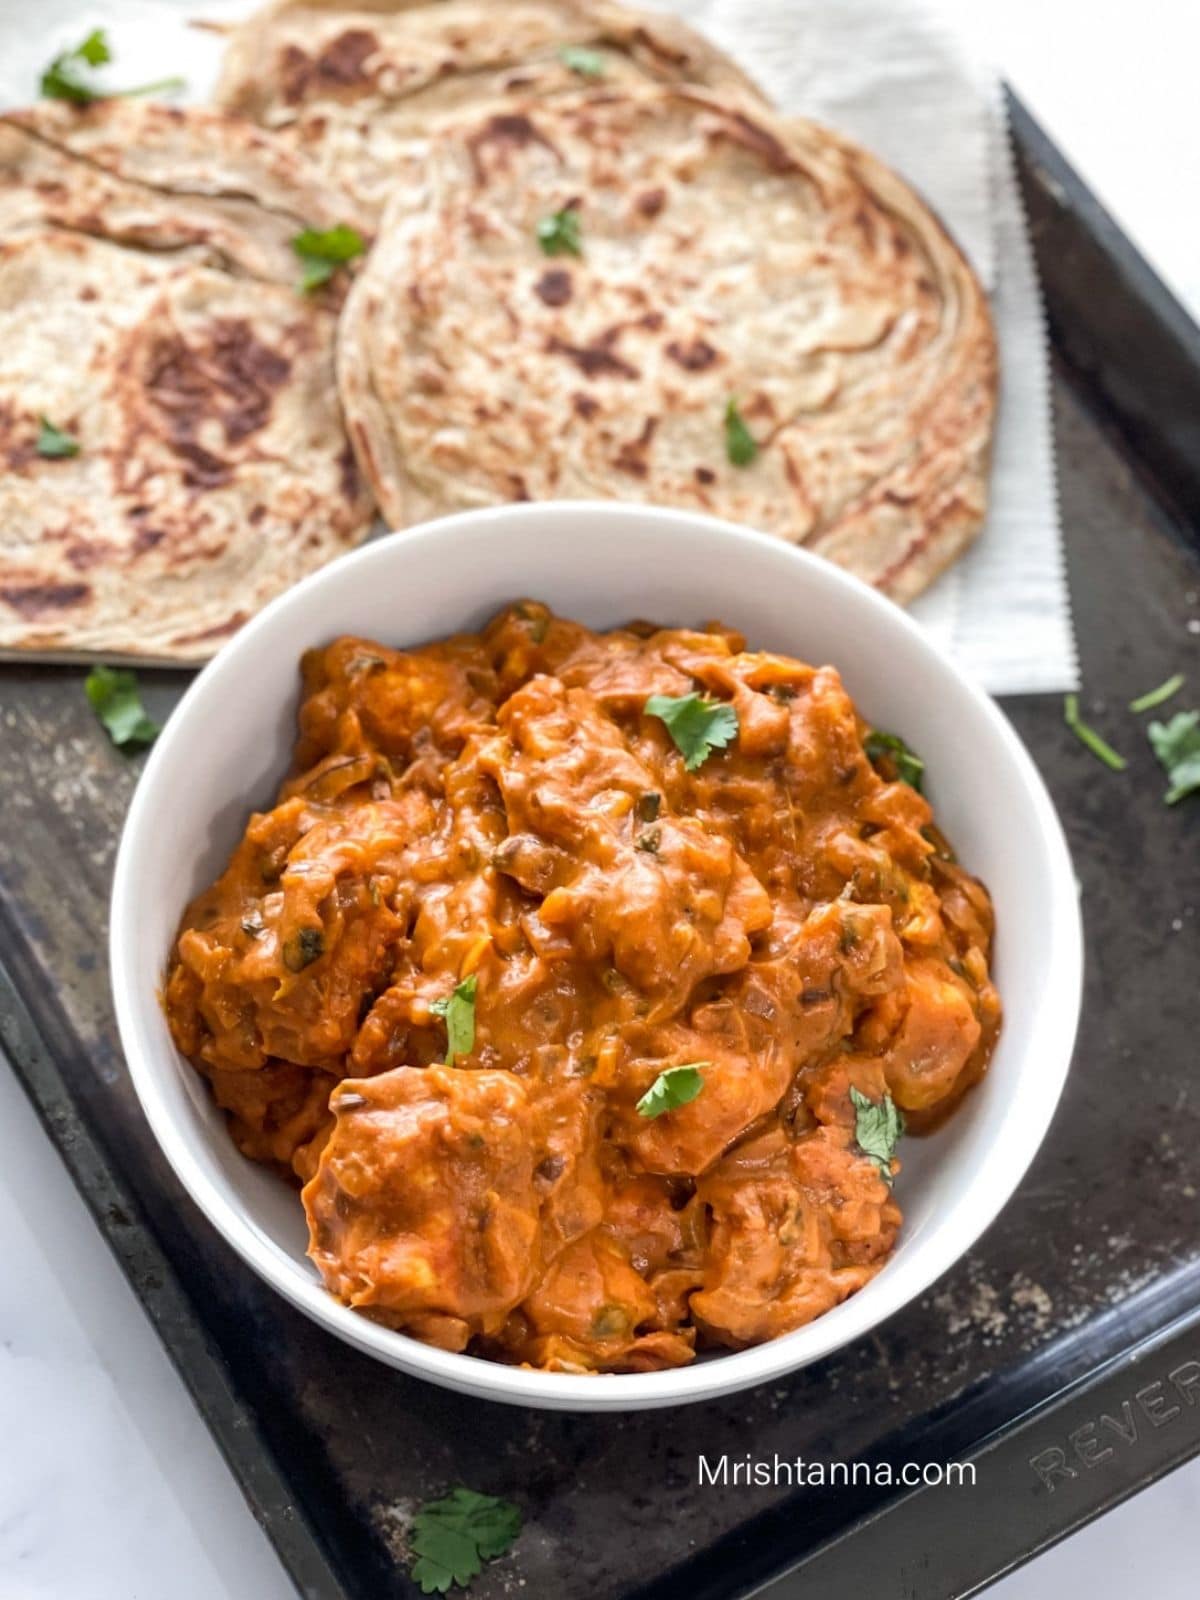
(110, 1487)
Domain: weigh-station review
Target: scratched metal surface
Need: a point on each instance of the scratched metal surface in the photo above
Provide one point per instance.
(1071, 1272)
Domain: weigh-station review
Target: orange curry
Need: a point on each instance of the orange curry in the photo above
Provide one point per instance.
(571, 1040)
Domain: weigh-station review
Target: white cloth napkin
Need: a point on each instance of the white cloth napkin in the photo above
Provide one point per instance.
(893, 75)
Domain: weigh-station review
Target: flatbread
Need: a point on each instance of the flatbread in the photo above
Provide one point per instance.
(727, 255)
(360, 85)
(149, 307)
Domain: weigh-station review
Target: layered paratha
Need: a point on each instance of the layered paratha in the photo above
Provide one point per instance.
(360, 85)
(735, 272)
(149, 312)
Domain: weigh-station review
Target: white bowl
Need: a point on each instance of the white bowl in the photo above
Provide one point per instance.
(230, 740)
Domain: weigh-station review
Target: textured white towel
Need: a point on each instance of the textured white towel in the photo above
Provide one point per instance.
(890, 73)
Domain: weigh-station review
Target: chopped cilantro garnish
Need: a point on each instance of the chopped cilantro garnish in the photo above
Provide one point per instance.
(740, 444)
(66, 78)
(62, 79)
(113, 695)
(452, 1537)
(890, 747)
(1089, 737)
(698, 726)
(877, 1128)
(458, 1012)
(1155, 697)
(1177, 746)
(305, 947)
(323, 251)
(53, 443)
(558, 234)
(673, 1088)
(587, 63)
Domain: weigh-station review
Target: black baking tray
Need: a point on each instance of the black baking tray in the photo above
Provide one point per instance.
(1061, 1357)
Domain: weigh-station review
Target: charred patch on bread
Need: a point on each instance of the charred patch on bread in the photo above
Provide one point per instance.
(554, 287)
(506, 130)
(694, 356)
(342, 64)
(650, 203)
(35, 599)
(631, 457)
(349, 480)
(228, 377)
(595, 360)
(219, 630)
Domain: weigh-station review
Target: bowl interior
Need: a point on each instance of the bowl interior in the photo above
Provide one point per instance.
(230, 741)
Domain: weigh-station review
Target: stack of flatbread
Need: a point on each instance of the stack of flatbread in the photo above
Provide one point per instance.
(601, 267)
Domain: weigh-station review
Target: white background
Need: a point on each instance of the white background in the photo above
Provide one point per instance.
(110, 1488)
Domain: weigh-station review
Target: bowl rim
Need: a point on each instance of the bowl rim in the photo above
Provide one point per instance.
(1053, 1037)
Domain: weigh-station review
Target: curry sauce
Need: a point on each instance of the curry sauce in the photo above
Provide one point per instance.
(497, 901)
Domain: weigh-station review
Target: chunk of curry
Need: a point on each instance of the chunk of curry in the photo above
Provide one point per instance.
(499, 807)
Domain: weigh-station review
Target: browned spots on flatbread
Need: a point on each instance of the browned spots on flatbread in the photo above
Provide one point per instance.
(229, 377)
(84, 556)
(650, 203)
(694, 356)
(512, 129)
(32, 600)
(220, 630)
(631, 457)
(340, 65)
(348, 479)
(595, 360)
(147, 539)
(866, 380)
(18, 437)
(554, 287)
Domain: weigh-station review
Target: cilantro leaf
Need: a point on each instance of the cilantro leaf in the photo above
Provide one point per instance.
(587, 63)
(66, 77)
(113, 696)
(740, 444)
(698, 726)
(1155, 697)
(558, 234)
(94, 49)
(877, 1128)
(1088, 737)
(453, 1537)
(323, 250)
(62, 79)
(458, 1012)
(890, 747)
(1177, 746)
(674, 1087)
(303, 948)
(53, 443)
